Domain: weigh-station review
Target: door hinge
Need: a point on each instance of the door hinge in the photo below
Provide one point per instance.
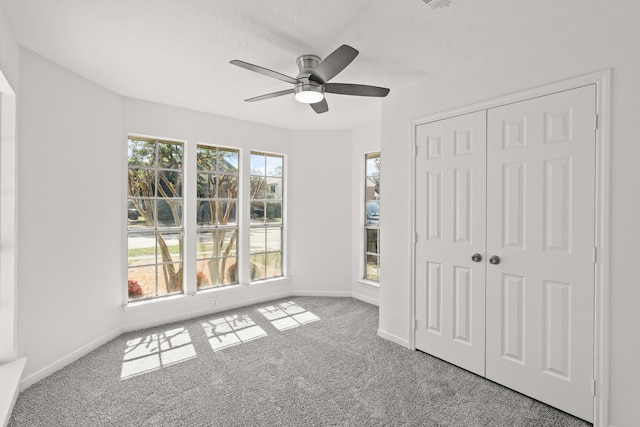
(595, 254)
(415, 150)
(593, 387)
(415, 237)
(595, 124)
(415, 324)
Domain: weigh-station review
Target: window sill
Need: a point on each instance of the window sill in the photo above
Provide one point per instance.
(204, 294)
(369, 283)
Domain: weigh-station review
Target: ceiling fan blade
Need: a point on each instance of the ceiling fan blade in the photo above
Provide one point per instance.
(333, 64)
(270, 95)
(264, 71)
(357, 90)
(320, 107)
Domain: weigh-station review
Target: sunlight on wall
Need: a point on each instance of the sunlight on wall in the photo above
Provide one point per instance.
(287, 315)
(231, 330)
(152, 352)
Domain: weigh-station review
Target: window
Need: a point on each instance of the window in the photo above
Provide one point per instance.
(154, 213)
(217, 223)
(217, 254)
(372, 217)
(266, 209)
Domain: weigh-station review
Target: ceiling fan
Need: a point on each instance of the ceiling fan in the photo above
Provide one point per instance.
(312, 81)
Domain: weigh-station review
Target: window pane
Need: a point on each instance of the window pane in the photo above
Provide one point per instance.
(273, 189)
(372, 268)
(140, 213)
(141, 248)
(204, 216)
(228, 161)
(258, 164)
(231, 271)
(274, 166)
(142, 153)
(228, 244)
(258, 188)
(228, 269)
(206, 158)
(227, 186)
(142, 182)
(169, 247)
(216, 272)
(274, 239)
(203, 275)
(273, 264)
(205, 247)
(372, 214)
(274, 212)
(142, 282)
(207, 185)
(257, 212)
(217, 243)
(257, 240)
(372, 241)
(373, 166)
(170, 155)
(169, 212)
(257, 270)
(169, 184)
(169, 278)
(227, 211)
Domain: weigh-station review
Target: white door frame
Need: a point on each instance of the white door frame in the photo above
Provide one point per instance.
(602, 80)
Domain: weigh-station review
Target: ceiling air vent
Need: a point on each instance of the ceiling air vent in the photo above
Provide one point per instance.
(437, 4)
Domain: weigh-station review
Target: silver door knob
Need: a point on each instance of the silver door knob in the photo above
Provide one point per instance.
(476, 257)
(495, 260)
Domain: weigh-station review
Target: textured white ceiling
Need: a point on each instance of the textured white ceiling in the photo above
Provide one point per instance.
(177, 52)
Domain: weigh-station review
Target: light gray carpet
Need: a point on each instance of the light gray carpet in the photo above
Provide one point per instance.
(331, 369)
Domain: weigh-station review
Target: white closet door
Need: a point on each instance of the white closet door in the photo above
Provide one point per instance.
(450, 226)
(540, 198)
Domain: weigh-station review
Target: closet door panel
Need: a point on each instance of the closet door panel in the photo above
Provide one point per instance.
(540, 223)
(450, 226)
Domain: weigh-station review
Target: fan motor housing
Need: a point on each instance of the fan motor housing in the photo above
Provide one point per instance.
(306, 65)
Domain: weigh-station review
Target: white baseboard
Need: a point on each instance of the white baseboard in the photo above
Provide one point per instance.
(301, 293)
(367, 299)
(393, 338)
(70, 358)
(10, 374)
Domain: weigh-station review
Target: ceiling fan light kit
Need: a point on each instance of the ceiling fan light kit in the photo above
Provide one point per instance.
(312, 81)
(308, 93)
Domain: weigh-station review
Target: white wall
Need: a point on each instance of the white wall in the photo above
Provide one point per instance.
(9, 59)
(9, 51)
(320, 212)
(609, 42)
(69, 208)
(366, 139)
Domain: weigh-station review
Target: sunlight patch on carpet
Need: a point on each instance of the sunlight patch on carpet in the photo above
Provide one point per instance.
(287, 315)
(151, 352)
(232, 330)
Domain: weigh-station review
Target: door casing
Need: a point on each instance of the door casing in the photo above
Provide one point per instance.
(602, 80)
